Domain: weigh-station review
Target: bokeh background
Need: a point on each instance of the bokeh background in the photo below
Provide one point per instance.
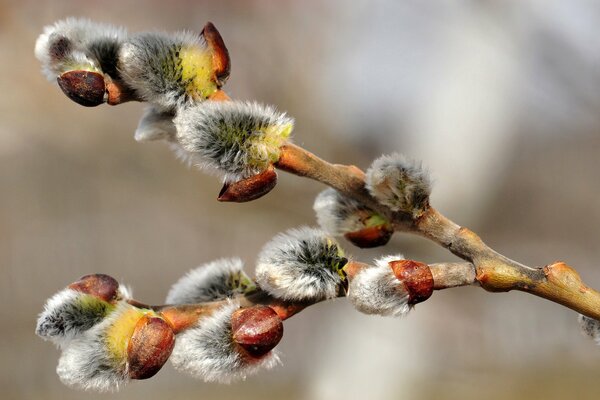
(499, 98)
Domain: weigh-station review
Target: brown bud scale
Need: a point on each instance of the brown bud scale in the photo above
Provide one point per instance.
(416, 277)
(98, 285)
(86, 88)
(149, 347)
(256, 329)
(249, 189)
(220, 55)
(373, 236)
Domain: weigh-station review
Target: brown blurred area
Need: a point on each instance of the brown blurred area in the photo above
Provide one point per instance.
(499, 99)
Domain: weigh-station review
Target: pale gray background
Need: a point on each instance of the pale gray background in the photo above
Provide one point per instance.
(499, 98)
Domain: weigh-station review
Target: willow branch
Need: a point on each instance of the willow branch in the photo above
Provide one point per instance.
(495, 272)
(184, 316)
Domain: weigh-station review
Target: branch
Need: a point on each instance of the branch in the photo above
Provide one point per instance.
(495, 272)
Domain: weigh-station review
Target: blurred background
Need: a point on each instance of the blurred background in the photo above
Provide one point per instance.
(499, 99)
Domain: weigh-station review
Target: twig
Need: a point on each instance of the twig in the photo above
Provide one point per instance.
(557, 282)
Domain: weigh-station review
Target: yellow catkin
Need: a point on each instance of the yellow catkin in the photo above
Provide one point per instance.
(196, 68)
(119, 333)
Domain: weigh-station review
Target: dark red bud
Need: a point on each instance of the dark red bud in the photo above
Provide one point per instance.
(221, 62)
(98, 285)
(250, 188)
(83, 87)
(149, 347)
(416, 277)
(257, 329)
(373, 236)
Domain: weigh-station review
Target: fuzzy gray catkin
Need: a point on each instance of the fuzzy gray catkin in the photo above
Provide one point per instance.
(399, 183)
(376, 290)
(207, 350)
(213, 281)
(73, 43)
(233, 139)
(301, 264)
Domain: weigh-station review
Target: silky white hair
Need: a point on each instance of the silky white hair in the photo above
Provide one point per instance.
(376, 290)
(300, 264)
(207, 350)
(216, 280)
(399, 183)
(590, 327)
(234, 139)
(78, 42)
(338, 214)
(86, 363)
(149, 63)
(155, 125)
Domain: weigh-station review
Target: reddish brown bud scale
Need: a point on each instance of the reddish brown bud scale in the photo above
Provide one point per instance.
(221, 62)
(98, 285)
(250, 188)
(149, 347)
(256, 329)
(86, 88)
(373, 236)
(416, 277)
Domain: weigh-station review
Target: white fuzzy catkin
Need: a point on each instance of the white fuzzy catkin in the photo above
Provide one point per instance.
(234, 139)
(213, 281)
(300, 264)
(86, 363)
(376, 290)
(155, 125)
(590, 327)
(149, 63)
(69, 313)
(399, 183)
(338, 214)
(75, 43)
(207, 350)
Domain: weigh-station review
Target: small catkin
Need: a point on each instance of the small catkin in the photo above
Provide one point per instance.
(213, 281)
(338, 214)
(207, 350)
(399, 183)
(234, 139)
(79, 44)
(301, 264)
(167, 70)
(376, 290)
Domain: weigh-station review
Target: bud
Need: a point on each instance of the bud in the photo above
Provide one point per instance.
(78, 308)
(399, 183)
(376, 290)
(257, 329)
(173, 70)
(98, 285)
(218, 280)
(131, 343)
(83, 46)
(373, 236)
(221, 63)
(208, 350)
(250, 188)
(83, 87)
(301, 264)
(235, 139)
(338, 215)
(590, 327)
(149, 347)
(416, 277)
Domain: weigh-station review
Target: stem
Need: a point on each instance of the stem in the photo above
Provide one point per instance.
(495, 272)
